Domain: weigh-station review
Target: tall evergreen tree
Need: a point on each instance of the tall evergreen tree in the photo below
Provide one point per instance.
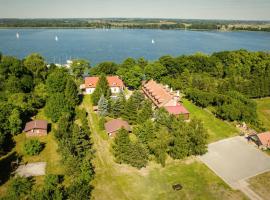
(121, 146)
(103, 106)
(101, 88)
(146, 112)
(71, 92)
(118, 106)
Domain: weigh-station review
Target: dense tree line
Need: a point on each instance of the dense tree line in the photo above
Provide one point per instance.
(28, 85)
(165, 24)
(22, 93)
(167, 135)
(216, 75)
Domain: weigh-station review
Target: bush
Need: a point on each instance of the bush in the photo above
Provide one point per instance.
(19, 186)
(33, 147)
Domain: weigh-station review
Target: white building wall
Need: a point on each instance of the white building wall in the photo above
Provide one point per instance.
(115, 90)
(89, 90)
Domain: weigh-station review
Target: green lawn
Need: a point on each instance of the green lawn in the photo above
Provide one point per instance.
(49, 154)
(261, 185)
(217, 129)
(113, 181)
(263, 110)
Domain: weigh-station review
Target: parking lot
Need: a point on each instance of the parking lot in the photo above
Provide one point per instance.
(235, 160)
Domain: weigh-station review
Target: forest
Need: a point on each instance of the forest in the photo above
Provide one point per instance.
(27, 86)
(225, 81)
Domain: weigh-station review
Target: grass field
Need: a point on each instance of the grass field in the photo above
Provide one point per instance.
(217, 129)
(113, 181)
(261, 185)
(263, 110)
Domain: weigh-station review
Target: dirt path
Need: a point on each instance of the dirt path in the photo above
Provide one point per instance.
(244, 187)
(104, 163)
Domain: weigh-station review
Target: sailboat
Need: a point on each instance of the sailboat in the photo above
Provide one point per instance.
(153, 41)
(56, 38)
(17, 35)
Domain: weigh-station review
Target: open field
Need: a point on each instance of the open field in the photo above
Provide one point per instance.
(263, 110)
(217, 129)
(261, 185)
(114, 181)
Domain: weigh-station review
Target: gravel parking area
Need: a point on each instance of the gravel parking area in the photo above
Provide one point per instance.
(32, 169)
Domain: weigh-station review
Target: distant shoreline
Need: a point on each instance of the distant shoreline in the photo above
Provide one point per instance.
(121, 28)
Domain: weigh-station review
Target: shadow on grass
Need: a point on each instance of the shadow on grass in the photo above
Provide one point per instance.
(8, 164)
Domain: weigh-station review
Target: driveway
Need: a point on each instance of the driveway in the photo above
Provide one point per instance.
(234, 160)
(32, 169)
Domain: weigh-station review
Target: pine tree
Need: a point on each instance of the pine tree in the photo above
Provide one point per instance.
(145, 132)
(121, 146)
(101, 88)
(145, 113)
(103, 106)
(118, 106)
(130, 113)
(71, 93)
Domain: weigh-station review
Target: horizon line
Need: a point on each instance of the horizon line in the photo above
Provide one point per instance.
(167, 18)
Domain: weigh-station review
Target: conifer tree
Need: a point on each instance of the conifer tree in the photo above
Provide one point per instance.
(121, 146)
(146, 112)
(101, 88)
(103, 106)
(118, 106)
(71, 93)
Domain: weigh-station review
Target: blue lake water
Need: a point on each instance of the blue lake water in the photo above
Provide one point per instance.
(99, 45)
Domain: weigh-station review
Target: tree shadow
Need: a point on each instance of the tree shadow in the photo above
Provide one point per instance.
(8, 165)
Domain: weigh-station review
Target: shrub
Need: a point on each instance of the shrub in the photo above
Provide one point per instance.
(19, 186)
(33, 147)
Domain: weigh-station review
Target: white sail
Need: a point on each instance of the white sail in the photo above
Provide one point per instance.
(153, 41)
(56, 38)
(17, 35)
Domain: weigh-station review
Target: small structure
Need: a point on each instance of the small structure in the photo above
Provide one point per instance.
(115, 125)
(163, 96)
(262, 140)
(177, 110)
(115, 83)
(36, 128)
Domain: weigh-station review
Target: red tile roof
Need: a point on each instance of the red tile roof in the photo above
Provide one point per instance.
(36, 124)
(114, 81)
(176, 110)
(264, 138)
(115, 125)
(158, 93)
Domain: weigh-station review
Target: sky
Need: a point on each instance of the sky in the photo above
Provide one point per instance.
(183, 9)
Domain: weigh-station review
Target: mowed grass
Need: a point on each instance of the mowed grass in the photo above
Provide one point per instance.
(49, 155)
(263, 111)
(114, 181)
(261, 184)
(217, 128)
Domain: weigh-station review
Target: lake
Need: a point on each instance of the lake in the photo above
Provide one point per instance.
(96, 45)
